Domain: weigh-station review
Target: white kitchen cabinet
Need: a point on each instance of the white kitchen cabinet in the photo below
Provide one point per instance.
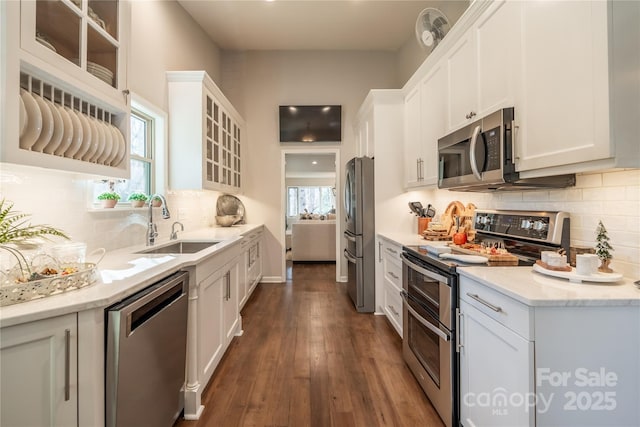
(495, 362)
(556, 363)
(365, 137)
(230, 308)
(462, 84)
(425, 115)
(481, 74)
(413, 161)
(218, 316)
(68, 55)
(390, 275)
(39, 371)
(251, 265)
(214, 319)
(206, 134)
(433, 107)
(578, 105)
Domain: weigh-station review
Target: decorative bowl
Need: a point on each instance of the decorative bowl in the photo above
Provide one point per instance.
(227, 220)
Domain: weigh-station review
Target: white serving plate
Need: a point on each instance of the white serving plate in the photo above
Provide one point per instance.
(574, 277)
(34, 120)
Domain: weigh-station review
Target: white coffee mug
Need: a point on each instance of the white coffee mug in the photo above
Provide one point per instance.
(586, 264)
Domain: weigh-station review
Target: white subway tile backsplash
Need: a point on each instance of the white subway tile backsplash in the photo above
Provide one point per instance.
(613, 197)
(621, 178)
(589, 180)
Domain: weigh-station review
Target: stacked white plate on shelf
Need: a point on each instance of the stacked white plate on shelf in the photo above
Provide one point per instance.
(100, 72)
(53, 129)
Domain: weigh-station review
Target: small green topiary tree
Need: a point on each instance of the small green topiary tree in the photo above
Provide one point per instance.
(603, 248)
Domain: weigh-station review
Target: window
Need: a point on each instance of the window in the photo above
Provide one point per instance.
(147, 154)
(313, 200)
(142, 164)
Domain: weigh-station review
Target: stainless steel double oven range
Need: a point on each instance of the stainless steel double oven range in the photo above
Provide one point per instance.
(430, 294)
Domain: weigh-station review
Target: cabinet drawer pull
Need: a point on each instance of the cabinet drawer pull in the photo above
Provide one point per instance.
(392, 274)
(379, 251)
(393, 310)
(393, 251)
(483, 302)
(67, 363)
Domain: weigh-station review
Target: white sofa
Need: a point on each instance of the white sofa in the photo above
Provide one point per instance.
(313, 240)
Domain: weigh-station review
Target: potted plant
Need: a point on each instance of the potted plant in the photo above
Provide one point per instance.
(109, 199)
(17, 233)
(137, 199)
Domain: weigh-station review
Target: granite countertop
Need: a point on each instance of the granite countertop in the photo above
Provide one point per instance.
(535, 289)
(122, 273)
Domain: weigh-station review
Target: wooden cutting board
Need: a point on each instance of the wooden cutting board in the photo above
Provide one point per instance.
(501, 259)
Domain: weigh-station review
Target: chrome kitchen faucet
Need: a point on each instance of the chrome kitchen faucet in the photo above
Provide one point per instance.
(152, 231)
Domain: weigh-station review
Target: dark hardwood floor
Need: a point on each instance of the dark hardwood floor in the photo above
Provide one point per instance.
(307, 358)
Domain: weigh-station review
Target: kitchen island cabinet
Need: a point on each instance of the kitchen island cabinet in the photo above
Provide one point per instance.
(74, 59)
(206, 134)
(540, 351)
(39, 371)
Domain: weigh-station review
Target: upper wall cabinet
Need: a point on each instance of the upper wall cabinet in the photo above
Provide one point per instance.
(64, 76)
(481, 71)
(580, 98)
(570, 69)
(206, 135)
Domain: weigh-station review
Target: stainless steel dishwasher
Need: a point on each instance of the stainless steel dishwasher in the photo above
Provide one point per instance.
(146, 341)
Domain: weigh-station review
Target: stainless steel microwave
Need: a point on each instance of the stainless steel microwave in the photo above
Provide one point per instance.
(480, 157)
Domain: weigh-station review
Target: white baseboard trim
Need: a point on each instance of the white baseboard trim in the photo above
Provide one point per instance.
(272, 279)
(343, 279)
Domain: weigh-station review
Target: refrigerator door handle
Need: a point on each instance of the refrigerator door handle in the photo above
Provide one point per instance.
(349, 258)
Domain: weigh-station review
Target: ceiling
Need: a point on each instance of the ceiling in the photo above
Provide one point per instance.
(302, 166)
(311, 24)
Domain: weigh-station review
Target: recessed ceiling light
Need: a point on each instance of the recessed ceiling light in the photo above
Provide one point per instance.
(314, 162)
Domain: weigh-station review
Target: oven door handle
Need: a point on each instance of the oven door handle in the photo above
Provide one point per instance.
(423, 321)
(424, 271)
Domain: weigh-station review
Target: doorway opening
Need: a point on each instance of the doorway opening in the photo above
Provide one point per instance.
(310, 228)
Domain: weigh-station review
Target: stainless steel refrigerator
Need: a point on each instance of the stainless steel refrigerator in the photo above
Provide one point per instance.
(360, 233)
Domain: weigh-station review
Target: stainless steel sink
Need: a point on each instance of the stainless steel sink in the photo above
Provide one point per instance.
(180, 247)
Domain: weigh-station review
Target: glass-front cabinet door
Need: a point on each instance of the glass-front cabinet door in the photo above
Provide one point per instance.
(83, 38)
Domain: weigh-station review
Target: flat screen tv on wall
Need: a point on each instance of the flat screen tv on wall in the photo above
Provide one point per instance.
(310, 123)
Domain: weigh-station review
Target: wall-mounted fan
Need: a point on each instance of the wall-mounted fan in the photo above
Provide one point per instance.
(431, 27)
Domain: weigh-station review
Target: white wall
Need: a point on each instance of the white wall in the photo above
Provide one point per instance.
(613, 197)
(165, 38)
(263, 80)
(410, 56)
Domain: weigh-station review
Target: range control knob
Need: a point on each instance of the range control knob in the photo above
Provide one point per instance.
(540, 226)
(526, 224)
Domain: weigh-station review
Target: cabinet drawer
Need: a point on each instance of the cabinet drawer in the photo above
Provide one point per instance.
(393, 307)
(390, 250)
(509, 312)
(392, 271)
